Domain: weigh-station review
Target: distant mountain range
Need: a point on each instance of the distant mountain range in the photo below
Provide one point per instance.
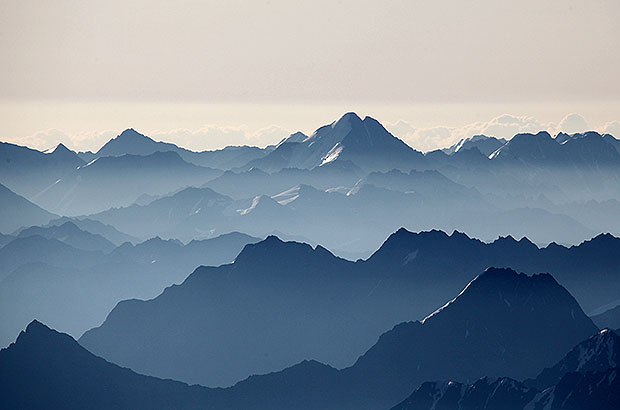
(138, 248)
(495, 324)
(562, 189)
(349, 221)
(71, 235)
(29, 172)
(18, 212)
(62, 257)
(132, 142)
(95, 227)
(118, 181)
(486, 145)
(72, 278)
(337, 306)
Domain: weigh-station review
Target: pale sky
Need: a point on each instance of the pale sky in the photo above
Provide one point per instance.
(212, 73)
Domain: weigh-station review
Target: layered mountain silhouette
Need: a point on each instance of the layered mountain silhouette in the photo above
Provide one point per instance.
(108, 241)
(357, 221)
(502, 324)
(430, 184)
(189, 213)
(45, 369)
(422, 259)
(18, 212)
(588, 150)
(95, 227)
(118, 181)
(70, 234)
(562, 189)
(132, 142)
(496, 305)
(28, 172)
(331, 328)
(71, 279)
(255, 182)
(410, 273)
(277, 304)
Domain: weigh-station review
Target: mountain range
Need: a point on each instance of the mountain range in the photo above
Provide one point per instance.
(49, 272)
(407, 277)
(110, 182)
(132, 142)
(563, 189)
(356, 222)
(29, 172)
(486, 145)
(481, 322)
(265, 273)
(338, 308)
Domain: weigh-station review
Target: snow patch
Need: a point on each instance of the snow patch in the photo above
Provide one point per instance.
(332, 155)
(288, 196)
(89, 164)
(246, 211)
(288, 200)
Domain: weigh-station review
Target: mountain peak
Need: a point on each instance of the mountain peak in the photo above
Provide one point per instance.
(349, 117)
(131, 133)
(507, 289)
(272, 253)
(365, 143)
(62, 153)
(36, 326)
(297, 137)
(498, 276)
(501, 324)
(132, 142)
(60, 148)
(35, 332)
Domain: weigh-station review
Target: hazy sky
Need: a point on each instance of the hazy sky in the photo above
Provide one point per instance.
(83, 68)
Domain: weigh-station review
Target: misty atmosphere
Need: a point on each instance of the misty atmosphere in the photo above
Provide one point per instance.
(296, 206)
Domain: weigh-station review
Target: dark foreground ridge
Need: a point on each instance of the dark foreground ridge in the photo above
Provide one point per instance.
(501, 324)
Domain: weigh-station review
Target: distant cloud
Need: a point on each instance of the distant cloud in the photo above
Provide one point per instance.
(213, 136)
(572, 124)
(401, 128)
(506, 126)
(46, 139)
(206, 137)
(503, 126)
(612, 128)
(210, 136)
(428, 139)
